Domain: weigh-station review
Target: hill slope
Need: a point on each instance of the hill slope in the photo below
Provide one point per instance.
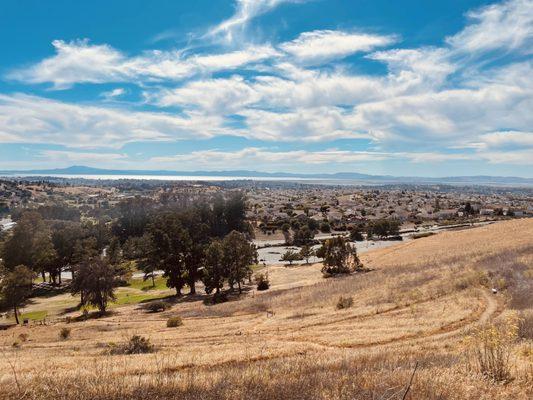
(415, 306)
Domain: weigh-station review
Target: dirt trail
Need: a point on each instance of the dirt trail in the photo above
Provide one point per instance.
(491, 310)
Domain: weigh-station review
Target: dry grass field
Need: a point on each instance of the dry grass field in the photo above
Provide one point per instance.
(427, 303)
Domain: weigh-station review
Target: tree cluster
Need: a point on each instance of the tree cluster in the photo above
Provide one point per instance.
(340, 257)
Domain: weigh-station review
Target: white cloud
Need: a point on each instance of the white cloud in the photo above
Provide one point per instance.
(254, 156)
(321, 46)
(215, 95)
(113, 94)
(69, 157)
(30, 119)
(81, 62)
(507, 25)
(246, 10)
(508, 138)
(517, 157)
(431, 98)
(258, 156)
(75, 62)
(308, 124)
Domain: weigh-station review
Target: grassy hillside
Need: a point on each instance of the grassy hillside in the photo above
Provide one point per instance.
(427, 303)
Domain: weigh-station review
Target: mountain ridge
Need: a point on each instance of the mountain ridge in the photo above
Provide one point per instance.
(85, 170)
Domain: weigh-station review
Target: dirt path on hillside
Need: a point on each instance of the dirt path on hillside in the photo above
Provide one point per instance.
(493, 307)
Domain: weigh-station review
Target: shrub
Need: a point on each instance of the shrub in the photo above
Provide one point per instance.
(64, 333)
(156, 306)
(174, 322)
(422, 235)
(262, 281)
(136, 345)
(217, 298)
(525, 325)
(344, 302)
(23, 337)
(492, 346)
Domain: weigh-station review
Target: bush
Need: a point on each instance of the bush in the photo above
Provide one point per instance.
(492, 346)
(525, 325)
(422, 235)
(174, 322)
(217, 298)
(64, 333)
(262, 281)
(325, 227)
(344, 302)
(23, 337)
(136, 345)
(156, 306)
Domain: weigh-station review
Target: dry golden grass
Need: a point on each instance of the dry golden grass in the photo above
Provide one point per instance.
(418, 304)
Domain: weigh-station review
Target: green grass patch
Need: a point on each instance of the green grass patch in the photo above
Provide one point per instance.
(128, 298)
(140, 284)
(35, 315)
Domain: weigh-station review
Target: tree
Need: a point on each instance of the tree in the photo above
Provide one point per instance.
(356, 235)
(134, 216)
(65, 236)
(290, 256)
(95, 280)
(303, 236)
(15, 287)
(114, 252)
(198, 233)
(286, 230)
(383, 228)
(239, 254)
(140, 249)
(340, 257)
(44, 256)
(325, 227)
(306, 252)
(30, 245)
(215, 271)
(169, 242)
(235, 212)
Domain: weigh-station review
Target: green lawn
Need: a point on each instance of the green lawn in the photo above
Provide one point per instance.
(140, 284)
(130, 297)
(35, 315)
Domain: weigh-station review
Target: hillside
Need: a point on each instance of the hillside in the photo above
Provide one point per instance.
(415, 306)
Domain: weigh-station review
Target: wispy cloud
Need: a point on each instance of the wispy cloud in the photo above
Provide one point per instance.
(113, 94)
(246, 10)
(322, 46)
(507, 25)
(30, 119)
(434, 99)
(82, 62)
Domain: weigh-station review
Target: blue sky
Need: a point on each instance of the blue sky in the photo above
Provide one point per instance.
(383, 87)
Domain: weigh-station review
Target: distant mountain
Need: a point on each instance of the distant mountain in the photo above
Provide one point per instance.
(340, 176)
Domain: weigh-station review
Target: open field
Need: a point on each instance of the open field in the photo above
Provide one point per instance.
(416, 305)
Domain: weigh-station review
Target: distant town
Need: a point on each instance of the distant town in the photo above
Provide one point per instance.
(271, 205)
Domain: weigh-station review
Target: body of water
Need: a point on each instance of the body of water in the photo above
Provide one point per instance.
(165, 177)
